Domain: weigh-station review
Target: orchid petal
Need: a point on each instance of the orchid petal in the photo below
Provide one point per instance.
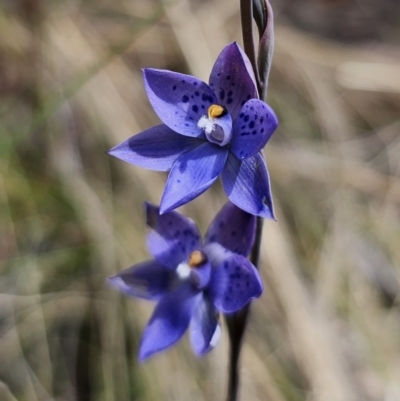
(204, 328)
(234, 281)
(232, 79)
(169, 321)
(148, 280)
(156, 148)
(233, 228)
(252, 129)
(179, 100)
(192, 174)
(247, 185)
(172, 237)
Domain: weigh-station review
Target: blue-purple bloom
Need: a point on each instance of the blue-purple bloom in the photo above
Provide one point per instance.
(192, 282)
(207, 131)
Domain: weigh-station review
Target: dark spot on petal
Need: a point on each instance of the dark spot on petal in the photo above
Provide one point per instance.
(174, 87)
(241, 115)
(261, 120)
(221, 224)
(252, 108)
(197, 93)
(251, 124)
(195, 83)
(229, 94)
(185, 99)
(229, 100)
(222, 94)
(254, 132)
(246, 118)
(195, 108)
(233, 234)
(228, 77)
(262, 130)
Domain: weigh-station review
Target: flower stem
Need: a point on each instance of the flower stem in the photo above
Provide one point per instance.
(246, 14)
(237, 322)
(255, 252)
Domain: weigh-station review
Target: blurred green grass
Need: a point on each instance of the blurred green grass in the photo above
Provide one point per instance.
(327, 327)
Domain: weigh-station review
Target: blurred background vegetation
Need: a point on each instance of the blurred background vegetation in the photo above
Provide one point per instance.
(328, 325)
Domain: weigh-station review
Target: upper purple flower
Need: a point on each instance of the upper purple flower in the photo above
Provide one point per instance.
(208, 130)
(191, 281)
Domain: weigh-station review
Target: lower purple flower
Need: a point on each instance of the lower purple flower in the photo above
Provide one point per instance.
(192, 282)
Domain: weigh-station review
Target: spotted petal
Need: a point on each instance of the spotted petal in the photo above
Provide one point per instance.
(252, 129)
(149, 280)
(192, 174)
(204, 328)
(234, 282)
(233, 228)
(169, 321)
(157, 148)
(247, 185)
(172, 237)
(232, 79)
(179, 100)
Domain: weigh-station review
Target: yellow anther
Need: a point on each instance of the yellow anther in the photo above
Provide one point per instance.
(215, 111)
(197, 258)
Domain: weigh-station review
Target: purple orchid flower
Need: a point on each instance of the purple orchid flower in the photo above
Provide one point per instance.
(208, 130)
(192, 282)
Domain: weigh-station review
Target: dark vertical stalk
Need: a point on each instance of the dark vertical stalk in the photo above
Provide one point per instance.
(255, 252)
(246, 13)
(237, 322)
